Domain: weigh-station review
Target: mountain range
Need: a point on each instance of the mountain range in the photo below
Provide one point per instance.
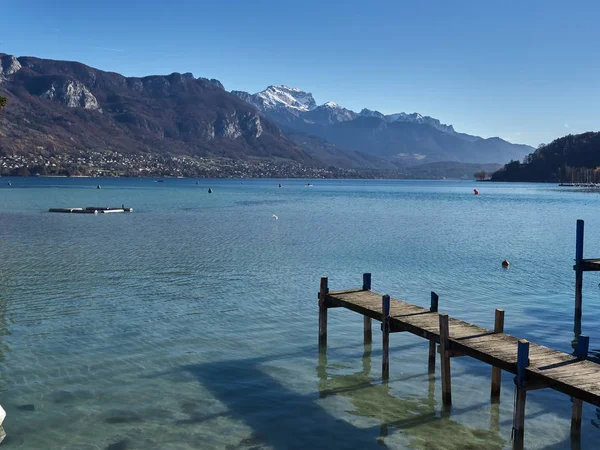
(401, 138)
(60, 107)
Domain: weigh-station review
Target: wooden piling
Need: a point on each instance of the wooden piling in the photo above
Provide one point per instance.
(578, 269)
(581, 352)
(496, 371)
(323, 291)
(368, 333)
(521, 395)
(385, 328)
(445, 360)
(432, 344)
(576, 418)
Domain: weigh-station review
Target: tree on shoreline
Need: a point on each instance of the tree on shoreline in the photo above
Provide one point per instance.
(3, 101)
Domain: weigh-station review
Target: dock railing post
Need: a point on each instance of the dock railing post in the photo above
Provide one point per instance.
(496, 371)
(368, 333)
(385, 328)
(578, 269)
(445, 360)
(520, 382)
(432, 344)
(323, 291)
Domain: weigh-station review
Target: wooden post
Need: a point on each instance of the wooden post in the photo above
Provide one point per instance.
(385, 328)
(445, 360)
(496, 371)
(323, 312)
(581, 352)
(576, 418)
(520, 381)
(578, 269)
(368, 333)
(432, 344)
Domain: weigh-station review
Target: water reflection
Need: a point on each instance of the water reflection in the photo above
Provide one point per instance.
(420, 420)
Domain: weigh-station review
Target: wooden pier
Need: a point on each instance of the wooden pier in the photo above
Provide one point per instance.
(534, 366)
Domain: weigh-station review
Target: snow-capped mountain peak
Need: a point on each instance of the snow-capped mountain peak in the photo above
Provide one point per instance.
(282, 96)
(289, 104)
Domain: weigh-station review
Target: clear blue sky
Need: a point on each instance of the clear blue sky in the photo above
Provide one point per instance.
(528, 71)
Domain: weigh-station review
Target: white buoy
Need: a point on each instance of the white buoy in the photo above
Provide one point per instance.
(275, 217)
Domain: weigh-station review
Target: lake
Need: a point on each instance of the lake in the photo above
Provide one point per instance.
(192, 322)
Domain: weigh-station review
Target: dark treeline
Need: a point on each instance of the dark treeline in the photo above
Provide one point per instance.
(573, 158)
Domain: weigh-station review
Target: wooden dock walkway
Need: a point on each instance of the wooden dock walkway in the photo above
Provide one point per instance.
(535, 366)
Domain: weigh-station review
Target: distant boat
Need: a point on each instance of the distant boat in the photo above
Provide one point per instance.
(9, 183)
(209, 190)
(308, 185)
(161, 181)
(98, 187)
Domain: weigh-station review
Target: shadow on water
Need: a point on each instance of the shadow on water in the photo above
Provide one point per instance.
(283, 419)
(420, 419)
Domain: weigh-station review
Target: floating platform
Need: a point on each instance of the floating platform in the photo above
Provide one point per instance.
(90, 210)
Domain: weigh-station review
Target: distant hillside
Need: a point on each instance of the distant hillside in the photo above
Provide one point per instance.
(573, 158)
(61, 107)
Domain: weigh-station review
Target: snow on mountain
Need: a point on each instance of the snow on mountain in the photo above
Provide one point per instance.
(275, 97)
(291, 104)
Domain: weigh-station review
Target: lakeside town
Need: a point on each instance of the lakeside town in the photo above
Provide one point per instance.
(116, 164)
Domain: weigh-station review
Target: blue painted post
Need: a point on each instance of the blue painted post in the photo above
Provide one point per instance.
(366, 282)
(368, 333)
(385, 327)
(433, 308)
(582, 347)
(520, 381)
(578, 270)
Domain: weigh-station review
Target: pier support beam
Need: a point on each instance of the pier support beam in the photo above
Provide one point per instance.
(581, 352)
(385, 328)
(432, 344)
(496, 371)
(521, 394)
(368, 333)
(576, 418)
(445, 360)
(578, 269)
(323, 291)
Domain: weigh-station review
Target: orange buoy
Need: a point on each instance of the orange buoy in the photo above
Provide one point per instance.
(505, 264)
(475, 191)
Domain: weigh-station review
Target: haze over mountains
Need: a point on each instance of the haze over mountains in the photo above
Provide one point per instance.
(404, 139)
(63, 107)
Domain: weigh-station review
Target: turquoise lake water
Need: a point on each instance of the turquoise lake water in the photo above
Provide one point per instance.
(192, 322)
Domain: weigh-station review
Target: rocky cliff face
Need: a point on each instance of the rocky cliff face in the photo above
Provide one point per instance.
(9, 65)
(58, 106)
(73, 94)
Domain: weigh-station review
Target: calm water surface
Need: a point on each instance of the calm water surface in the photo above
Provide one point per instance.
(192, 323)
